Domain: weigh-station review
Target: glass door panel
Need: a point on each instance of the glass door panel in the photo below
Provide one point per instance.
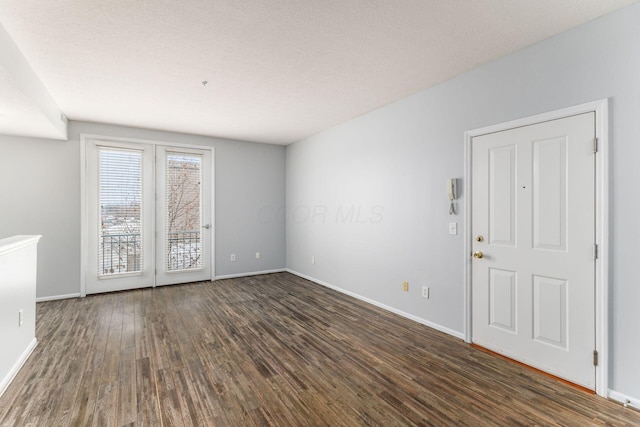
(120, 211)
(183, 210)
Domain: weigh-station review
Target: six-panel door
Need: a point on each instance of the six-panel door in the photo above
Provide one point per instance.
(533, 204)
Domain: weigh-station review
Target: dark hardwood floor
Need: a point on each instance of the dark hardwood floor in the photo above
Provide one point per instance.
(271, 350)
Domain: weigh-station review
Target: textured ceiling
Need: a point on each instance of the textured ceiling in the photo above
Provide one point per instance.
(277, 71)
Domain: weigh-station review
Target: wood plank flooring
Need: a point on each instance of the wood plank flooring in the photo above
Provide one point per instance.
(271, 350)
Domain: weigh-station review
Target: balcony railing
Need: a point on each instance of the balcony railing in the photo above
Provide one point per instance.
(120, 253)
(184, 250)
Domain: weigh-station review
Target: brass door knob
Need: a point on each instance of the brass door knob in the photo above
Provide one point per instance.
(478, 254)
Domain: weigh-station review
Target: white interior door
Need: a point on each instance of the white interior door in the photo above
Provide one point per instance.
(533, 230)
(148, 215)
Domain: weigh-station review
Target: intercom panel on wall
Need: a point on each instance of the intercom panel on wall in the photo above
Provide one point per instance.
(452, 191)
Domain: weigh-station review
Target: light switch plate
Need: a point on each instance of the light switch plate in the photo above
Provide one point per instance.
(453, 228)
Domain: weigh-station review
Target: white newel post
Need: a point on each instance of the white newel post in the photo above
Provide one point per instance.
(18, 266)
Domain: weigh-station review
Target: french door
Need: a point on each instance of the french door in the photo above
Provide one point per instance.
(148, 215)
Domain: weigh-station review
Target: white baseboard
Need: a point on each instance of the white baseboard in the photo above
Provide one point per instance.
(252, 273)
(4, 383)
(57, 297)
(382, 306)
(623, 398)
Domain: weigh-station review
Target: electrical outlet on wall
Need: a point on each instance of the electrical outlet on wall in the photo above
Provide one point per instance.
(233, 257)
(425, 292)
(405, 286)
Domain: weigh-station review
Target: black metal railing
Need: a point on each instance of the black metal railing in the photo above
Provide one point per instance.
(120, 253)
(184, 250)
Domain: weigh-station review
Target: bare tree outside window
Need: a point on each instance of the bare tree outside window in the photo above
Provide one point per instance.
(183, 211)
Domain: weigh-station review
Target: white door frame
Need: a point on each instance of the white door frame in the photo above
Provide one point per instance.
(602, 223)
(84, 226)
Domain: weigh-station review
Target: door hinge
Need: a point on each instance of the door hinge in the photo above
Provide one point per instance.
(595, 251)
(595, 357)
(595, 145)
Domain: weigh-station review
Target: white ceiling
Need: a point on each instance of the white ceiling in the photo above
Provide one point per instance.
(277, 71)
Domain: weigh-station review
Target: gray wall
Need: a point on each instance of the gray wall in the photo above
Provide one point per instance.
(40, 194)
(393, 163)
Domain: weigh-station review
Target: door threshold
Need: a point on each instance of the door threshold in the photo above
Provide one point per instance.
(531, 368)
